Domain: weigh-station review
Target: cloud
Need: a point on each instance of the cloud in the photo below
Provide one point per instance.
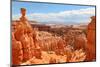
(79, 16)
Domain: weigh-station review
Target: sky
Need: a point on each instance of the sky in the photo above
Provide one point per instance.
(53, 13)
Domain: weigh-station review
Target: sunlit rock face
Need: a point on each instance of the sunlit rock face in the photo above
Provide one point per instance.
(91, 38)
(22, 40)
(17, 51)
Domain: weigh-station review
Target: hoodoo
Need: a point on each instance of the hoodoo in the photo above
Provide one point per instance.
(91, 38)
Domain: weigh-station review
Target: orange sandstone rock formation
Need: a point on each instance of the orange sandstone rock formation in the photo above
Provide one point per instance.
(91, 37)
(17, 52)
(31, 46)
(22, 42)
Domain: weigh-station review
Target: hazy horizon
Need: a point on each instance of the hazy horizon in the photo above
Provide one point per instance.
(53, 13)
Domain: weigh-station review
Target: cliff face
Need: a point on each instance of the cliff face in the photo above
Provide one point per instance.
(91, 37)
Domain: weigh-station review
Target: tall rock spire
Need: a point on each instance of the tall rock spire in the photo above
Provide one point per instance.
(91, 37)
(23, 13)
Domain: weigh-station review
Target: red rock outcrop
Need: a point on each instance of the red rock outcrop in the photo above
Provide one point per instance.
(17, 52)
(91, 37)
(22, 43)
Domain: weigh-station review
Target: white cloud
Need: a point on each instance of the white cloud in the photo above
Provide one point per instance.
(81, 15)
(15, 17)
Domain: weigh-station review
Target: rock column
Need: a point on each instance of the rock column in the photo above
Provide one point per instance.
(91, 37)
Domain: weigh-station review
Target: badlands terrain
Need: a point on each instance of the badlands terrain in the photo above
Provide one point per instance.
(35, 43)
